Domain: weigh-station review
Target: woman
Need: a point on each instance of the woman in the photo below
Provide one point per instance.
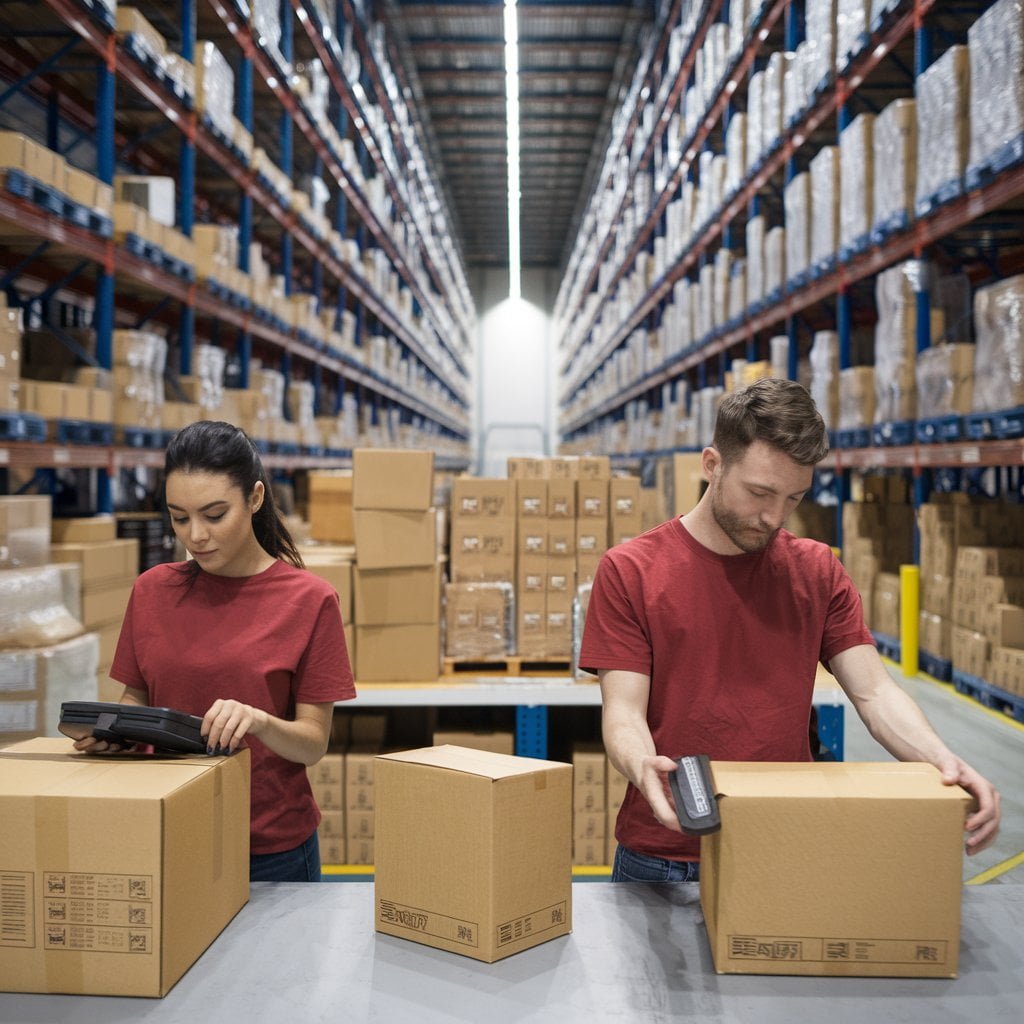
(243, 636)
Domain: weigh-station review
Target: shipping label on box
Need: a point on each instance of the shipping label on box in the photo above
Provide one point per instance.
(562, 499)
(473, 498)
(834, 869)
(531, 499)
(592, 499)
(91, 917)
(489, 871)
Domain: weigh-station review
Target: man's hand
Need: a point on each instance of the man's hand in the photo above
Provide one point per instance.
(982, 825)
(652, 781)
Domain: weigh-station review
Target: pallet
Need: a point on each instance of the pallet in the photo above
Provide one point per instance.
(854, 437)
(989, 696)
(1005, 424)
(936, 429)
(888, 646)
(144, 437)
(22, 426)
(1009, 154)
(894, 224)
(81, 432)
(937, 668)
(100, 12)
(946, 193)
(895, 432)
(511, 665)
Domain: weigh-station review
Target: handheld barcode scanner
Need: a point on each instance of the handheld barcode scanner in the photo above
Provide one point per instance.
(694, 792)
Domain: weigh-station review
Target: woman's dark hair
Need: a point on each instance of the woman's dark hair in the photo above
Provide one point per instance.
(212, 446)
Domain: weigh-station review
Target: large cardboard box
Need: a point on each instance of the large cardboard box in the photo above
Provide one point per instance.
(87, 912)
(834, 869)
(392, 539)
(392, 478)
(473, 497)
(330, 507)
(397, 596)
(490, 873)
(405, 653)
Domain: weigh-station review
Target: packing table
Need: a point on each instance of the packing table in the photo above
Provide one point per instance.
(637, 953)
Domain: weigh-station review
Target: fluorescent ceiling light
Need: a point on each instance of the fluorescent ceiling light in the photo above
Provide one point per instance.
(515, 289)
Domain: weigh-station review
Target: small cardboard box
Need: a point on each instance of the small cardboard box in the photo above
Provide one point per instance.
(90, 915)
(330, 507)
(834, 869)
(490, 872)
(395, 539)
(392, 478)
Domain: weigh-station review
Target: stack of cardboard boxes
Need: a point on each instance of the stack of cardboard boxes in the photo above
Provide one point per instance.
(10, 356)
(45, 656)
(397, 581)
(597, 795)
(108, 566)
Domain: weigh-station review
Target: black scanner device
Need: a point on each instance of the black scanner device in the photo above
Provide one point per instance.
(693, 790)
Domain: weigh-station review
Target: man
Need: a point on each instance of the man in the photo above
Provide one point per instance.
(706, 633)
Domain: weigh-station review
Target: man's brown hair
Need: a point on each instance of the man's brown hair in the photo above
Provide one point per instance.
(780, 413)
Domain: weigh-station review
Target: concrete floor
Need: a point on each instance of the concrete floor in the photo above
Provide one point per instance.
(988, 740)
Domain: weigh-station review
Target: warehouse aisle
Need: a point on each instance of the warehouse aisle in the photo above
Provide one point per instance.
(990, 741)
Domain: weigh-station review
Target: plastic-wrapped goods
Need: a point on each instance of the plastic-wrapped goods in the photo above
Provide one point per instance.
(480, 620)
(856, 397)
(140, 36)
(775, 272)
(999, 353)
(857, 159)
(723, 271)
(825, 376)
(954, 296)
(773, 99)
(705, 315)
(24, 530)
(682, 322)
(853, 23)
(820, 33)
(579, 617)
(215, 87)
(737, 289)
(825, 192)
(778, 346)
(943, 127)
(755, 259)
(32, 610)
(996, 43)
(896, 339)
(895, 164)
(735, 152)
(880, 7)
(797, 198)
(794, 87)
(271, 384)
(755, 119)
(945, 380)
(705, 407)
(265, 17)
(740, 14)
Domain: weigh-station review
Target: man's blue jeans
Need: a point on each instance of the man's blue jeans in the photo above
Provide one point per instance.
(630, 866)
(302, 864)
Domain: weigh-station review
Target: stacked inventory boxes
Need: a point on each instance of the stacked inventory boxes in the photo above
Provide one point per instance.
(592, 515)
(589, 805)
(327, 779)
(10, 356)
(398, 577)
(531, 563)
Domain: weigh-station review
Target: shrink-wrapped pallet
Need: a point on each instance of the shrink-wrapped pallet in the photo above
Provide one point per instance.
(795, 91)
(945, 380)
(853, 20)
(140, 358)
(857, 162)
(705, 301)
(32, 608)
(797, 199)
(723, 272)
(820, 33)
(943, 127)
(755, 119)
(215, 87)
(895, 164)
(896, 339)
(755, 259)
(825, 190)
(996, 44)
(778, 346)
(775, 271)
(856, 397)
(480, 618)
(735, 152)
(999, 353)
(824, 358)
(740, 14)
(737, 289)
(772, 99)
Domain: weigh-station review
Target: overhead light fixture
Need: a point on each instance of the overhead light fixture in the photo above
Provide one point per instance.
(515, 286)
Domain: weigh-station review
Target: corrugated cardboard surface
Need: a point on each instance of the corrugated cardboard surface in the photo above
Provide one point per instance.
(834, 869)
(118, 871)
(395, 539)
(398, 596)
(392, 478)
(473, 850)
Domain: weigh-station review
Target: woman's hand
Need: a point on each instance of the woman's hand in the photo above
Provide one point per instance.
(228, 722)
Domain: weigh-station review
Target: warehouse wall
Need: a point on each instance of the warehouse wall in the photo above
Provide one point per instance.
(515, 394)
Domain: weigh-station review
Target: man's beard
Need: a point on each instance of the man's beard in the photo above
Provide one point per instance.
(748, 538)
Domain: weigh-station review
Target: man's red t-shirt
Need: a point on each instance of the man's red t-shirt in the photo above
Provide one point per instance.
(730, 643)
(270, 641)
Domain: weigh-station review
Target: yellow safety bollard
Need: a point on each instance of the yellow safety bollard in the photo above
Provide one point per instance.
(910, 590)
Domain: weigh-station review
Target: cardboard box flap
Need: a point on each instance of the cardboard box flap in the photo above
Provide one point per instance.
(833, 780)
(484, 763)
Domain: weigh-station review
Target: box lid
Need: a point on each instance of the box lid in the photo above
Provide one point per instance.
(485, 763)
(896, 780)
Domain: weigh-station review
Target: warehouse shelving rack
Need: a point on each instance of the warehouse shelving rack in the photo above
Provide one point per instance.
(438, 285)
